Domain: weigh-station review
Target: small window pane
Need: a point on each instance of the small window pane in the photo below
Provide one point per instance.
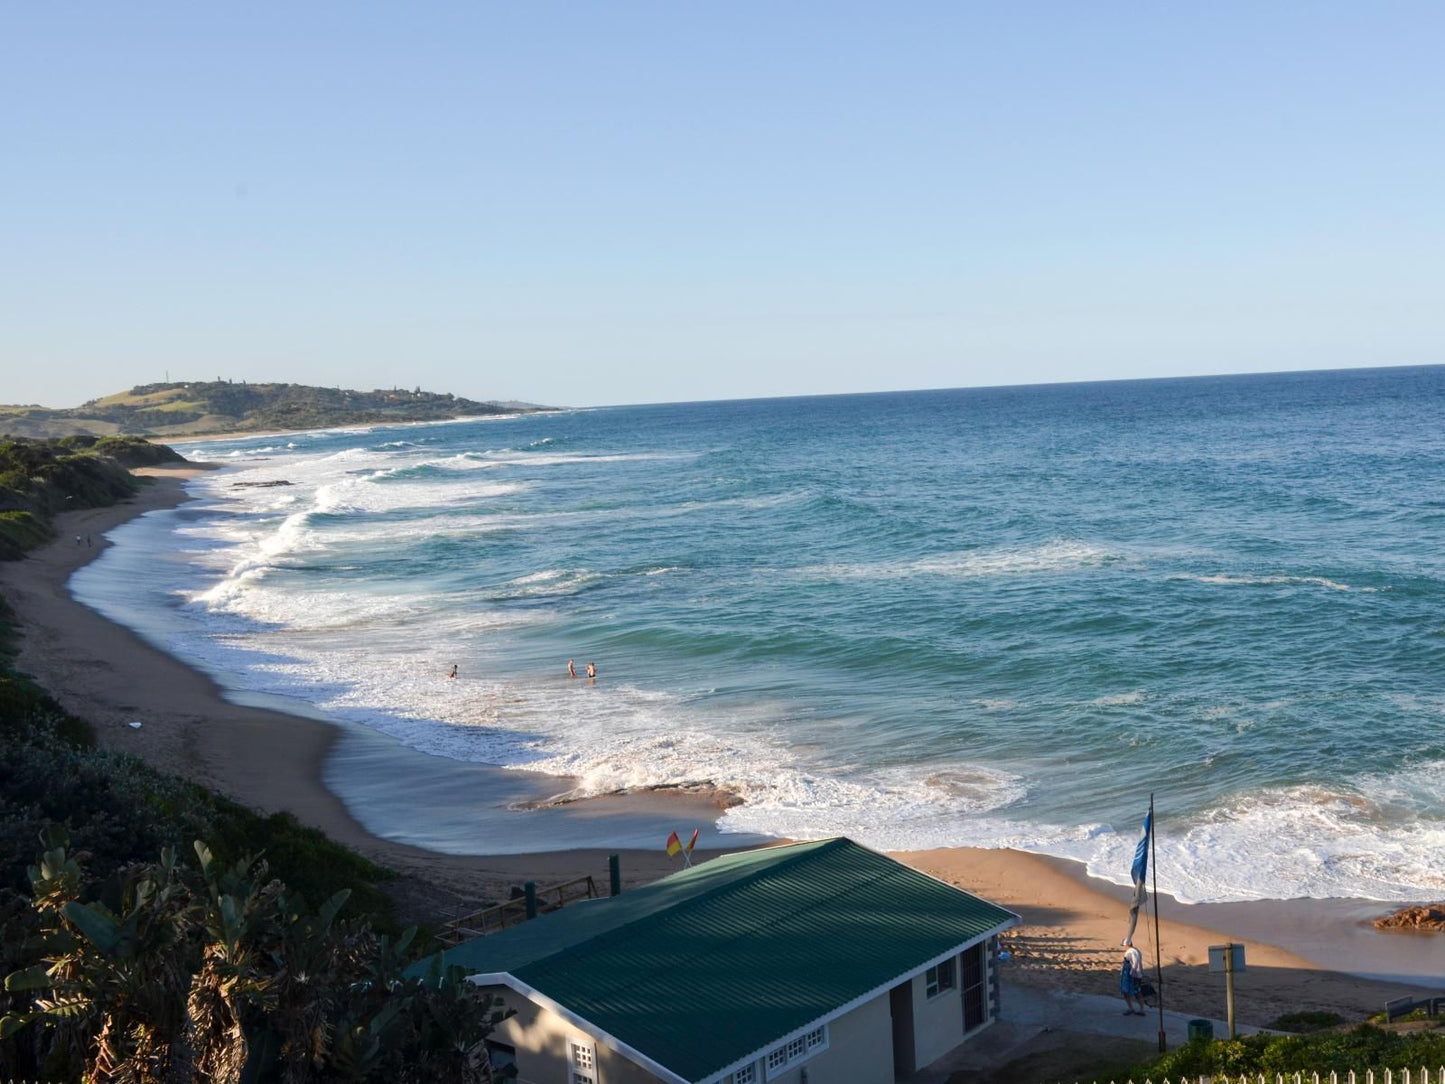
(945, 975)
(938, 979)
(796, 1048)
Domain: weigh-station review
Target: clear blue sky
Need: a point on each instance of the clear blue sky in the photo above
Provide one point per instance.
(622, 202)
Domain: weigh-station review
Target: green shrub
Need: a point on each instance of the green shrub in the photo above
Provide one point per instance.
(118, 810)
(21, 531)
(1302, 1022)
(308, 860)
(40, 478)
(1361, 1048)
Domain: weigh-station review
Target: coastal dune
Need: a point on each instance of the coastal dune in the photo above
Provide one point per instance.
(273, 761)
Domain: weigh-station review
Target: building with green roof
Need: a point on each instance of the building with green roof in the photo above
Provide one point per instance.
(808, 963)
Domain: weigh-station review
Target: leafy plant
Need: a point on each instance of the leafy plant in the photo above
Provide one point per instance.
(222, 974)
(1358, 1049)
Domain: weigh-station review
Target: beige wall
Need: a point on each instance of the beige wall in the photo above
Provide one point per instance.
(937, 1022)
(860, 1043)
(541, 1038)
(860, 1050)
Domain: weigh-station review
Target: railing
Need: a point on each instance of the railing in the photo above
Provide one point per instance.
(1368, 1076)
(514, 911)
(1404, 1006)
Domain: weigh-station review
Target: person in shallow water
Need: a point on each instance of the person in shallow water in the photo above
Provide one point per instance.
(592, 670)
(1131, 979)
(571, 670)
(454, 671)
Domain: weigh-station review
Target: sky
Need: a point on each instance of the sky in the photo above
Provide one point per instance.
(583, 204)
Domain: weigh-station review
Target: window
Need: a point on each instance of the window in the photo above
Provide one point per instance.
(748, 1074)
(582, 1058)
(782, 1058)
(502, 1055)
(938, 979)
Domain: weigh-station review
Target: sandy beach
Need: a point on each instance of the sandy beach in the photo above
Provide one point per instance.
(271, 760)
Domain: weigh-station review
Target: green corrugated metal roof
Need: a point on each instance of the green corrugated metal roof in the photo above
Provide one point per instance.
(706, 966)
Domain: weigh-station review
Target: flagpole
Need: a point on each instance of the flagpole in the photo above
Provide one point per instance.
(1158, 966)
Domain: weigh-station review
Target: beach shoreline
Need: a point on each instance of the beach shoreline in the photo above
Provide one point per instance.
(272, 760)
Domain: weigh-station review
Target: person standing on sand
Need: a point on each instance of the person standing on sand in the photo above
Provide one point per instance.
(592, 671)
(1131, 979)
(571, 670)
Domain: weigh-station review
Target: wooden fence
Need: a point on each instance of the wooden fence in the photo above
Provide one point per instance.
(492, 919)
(1369, 1076)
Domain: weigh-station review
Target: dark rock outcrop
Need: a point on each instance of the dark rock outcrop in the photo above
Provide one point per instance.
(1430, 916)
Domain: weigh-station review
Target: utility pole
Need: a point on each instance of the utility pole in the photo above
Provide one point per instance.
(1158, 945)
(1229, 985)
(1228, 958)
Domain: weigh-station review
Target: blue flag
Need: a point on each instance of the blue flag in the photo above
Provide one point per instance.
(1137, 873)
(1141, 853)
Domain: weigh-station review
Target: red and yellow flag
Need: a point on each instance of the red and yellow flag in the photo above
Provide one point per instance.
(693, 841)
(674, 845)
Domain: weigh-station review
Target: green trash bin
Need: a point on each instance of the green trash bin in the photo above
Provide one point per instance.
(1201, 1029)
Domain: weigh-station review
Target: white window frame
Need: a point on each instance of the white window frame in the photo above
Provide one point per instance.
(795, 1051)
(582, 1062)
(747, 1074)
(935, 983)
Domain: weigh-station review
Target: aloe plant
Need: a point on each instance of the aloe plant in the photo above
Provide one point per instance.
(219, 974)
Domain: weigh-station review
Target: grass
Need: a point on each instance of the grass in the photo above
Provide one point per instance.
(151, 399)
(21, 531)
(1301, 1023)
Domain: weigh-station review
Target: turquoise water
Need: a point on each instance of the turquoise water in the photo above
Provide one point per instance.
(997, 617)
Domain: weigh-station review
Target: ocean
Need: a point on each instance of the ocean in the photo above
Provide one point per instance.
(988, 617)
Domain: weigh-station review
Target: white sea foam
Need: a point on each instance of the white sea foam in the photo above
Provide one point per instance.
(558, 459)
(1057, 556)
(1271, 581)
(377, 653)
(1119, 700)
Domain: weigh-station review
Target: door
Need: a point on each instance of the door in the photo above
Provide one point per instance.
(900, 1007)
(974, 980)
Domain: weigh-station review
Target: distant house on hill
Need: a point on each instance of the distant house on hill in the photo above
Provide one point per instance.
(813, 963)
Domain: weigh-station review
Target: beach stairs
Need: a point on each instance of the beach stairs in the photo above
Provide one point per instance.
(530, 902)
(1369, 1076)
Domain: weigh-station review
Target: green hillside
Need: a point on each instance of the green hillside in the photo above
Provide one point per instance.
(39, 478)
(222, 406)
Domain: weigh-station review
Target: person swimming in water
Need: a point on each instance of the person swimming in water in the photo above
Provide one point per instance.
(454, 671)
(571, 670)
(592, 670)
